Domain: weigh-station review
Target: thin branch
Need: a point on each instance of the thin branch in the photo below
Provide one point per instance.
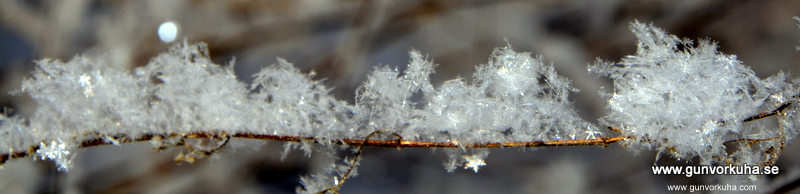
(356, 158)
(750, 141)
(769, 114)
(603, 141)
(399, 143)
(420, 144)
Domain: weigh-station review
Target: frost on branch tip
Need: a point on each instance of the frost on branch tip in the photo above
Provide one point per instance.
(689, 102)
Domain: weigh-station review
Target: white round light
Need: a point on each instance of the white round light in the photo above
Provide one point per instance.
(167, 32)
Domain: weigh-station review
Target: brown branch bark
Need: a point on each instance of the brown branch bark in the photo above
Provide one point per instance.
(603, 141)
(398, 143)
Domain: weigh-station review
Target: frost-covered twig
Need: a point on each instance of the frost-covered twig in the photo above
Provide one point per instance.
(399, 144)
(677, 98)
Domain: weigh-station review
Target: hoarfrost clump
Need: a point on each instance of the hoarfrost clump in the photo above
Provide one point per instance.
(291, 103)
(688, 100)
(178, 92)
(74, 99)
(513, 98)
(186, 92)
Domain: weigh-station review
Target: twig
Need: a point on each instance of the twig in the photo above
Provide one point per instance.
(400, 143)
(603, 141)
(356, 158)
(768, 114)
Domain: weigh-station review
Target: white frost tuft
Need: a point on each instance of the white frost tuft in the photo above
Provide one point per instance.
(684, 99)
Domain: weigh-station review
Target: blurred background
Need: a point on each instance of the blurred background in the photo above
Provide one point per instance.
(343, 40)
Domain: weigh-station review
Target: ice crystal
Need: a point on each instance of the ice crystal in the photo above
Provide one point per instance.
(475, 161)
(58, 151)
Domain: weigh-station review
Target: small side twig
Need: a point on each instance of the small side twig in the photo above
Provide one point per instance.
(769, 114)
(354, 163)
(749, 141)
